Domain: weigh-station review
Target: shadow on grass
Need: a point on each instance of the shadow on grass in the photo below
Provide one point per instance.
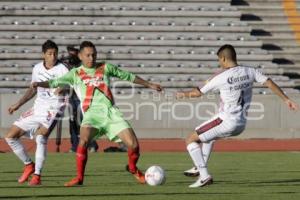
(9, 172)
(251, 183)
(281, 181)
(28, 187)
(197, 192)
(236, 172)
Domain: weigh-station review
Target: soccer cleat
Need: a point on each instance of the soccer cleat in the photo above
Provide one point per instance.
(193, 172)
(202, 183)
(36, 180)
(74, 182)
(138, 175)
(28, 170)
(93, 150)
(72, 151)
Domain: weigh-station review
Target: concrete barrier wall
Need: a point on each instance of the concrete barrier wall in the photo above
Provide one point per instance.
(162, 116)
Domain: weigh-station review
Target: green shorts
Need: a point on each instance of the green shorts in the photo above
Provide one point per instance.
(109, 122)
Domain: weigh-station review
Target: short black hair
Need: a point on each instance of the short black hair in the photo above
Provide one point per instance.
(85, 44)
(49, 44)
(227, 51)
(72, 48)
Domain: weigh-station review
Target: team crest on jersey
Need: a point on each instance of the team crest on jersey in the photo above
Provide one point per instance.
(96, 81)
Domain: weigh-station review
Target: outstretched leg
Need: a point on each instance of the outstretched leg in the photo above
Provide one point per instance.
(129, 138)
(196, 154)
(12, 138)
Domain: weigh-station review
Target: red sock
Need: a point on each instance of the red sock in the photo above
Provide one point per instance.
(133, 157)
(81, 159)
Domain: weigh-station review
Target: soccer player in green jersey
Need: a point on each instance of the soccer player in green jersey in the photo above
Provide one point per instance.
(91, 82)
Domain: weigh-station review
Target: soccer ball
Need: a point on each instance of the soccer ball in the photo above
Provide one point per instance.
(155, 175)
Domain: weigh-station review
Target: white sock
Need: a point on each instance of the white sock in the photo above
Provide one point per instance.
(206, 150)
(40, 153)
(19, 150)
(197, 157)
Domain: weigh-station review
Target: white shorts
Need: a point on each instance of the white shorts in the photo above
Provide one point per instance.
(31, 120)
(216, 128)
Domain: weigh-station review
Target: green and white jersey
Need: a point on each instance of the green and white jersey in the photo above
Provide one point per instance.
(92, 85)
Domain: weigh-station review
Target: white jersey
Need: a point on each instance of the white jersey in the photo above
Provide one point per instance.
(235, 86)
(46, 99)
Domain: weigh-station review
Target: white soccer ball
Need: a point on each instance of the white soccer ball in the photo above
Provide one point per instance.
(155, 175)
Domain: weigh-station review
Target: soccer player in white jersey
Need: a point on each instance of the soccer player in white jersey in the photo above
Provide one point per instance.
(39, 119)
(235, 83)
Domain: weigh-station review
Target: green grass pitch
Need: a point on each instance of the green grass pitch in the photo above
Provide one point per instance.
(251, 176)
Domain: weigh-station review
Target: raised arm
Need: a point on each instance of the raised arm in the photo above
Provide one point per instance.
(29, 94)
(127, 76)
(277, 90)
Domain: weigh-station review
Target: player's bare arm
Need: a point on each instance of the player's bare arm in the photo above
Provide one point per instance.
(276, 89)
(44, 84)
(147, 84)
(29, 94)
(189, 94)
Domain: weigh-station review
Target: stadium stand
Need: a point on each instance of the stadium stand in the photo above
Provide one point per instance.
(277, 26)
(167, 41)
(134, 34)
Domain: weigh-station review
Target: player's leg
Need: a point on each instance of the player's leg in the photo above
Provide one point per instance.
(195, 151)
(206, 150)
(212, 129)
(40, 154)
(129, 138)
(74, 133)
(74, 123)
(87, 133)
(12, 137)
(47, 121)
(209, 132)
(117, 129)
